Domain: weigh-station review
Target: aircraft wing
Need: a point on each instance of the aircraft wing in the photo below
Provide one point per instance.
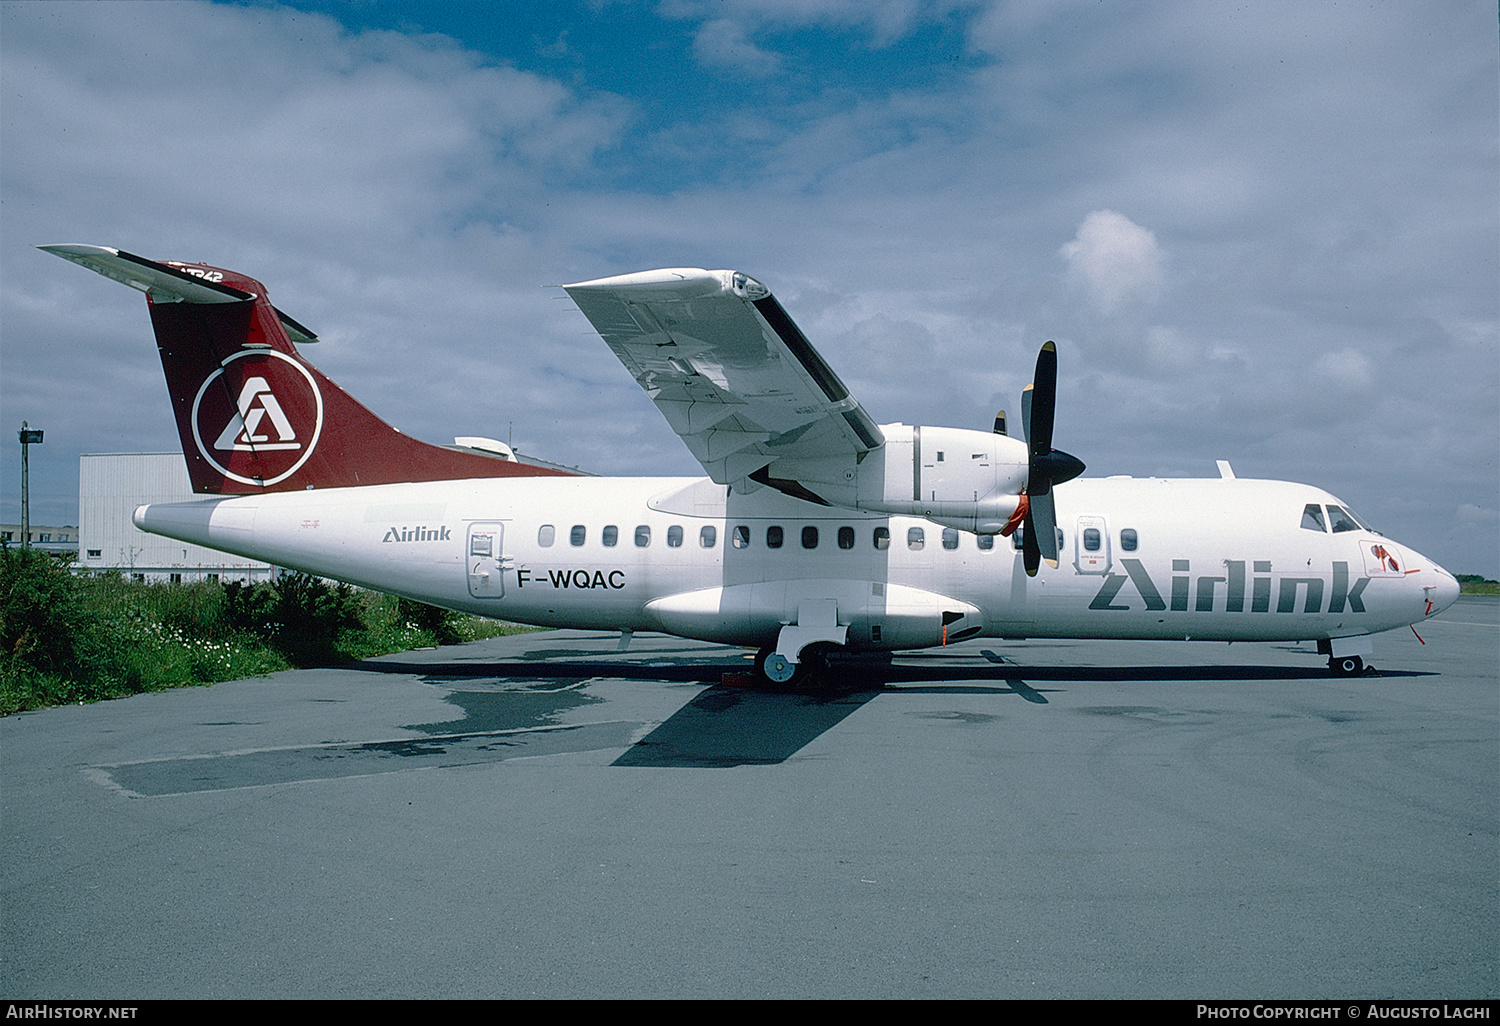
(735, 378)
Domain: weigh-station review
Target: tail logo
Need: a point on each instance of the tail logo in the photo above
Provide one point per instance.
(265, 433)
(257, 403)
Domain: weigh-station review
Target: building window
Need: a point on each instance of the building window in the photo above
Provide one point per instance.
(95, 553)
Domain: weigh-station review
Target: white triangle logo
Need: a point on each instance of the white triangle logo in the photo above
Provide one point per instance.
(244, 432)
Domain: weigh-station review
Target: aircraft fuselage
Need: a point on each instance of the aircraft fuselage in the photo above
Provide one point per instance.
(1204, 559)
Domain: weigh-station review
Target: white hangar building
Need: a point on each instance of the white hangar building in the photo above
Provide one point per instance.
(110, 487)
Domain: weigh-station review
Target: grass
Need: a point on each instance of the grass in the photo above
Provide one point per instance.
(67, 638)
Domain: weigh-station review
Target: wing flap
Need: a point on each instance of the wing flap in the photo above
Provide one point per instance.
(734, 377)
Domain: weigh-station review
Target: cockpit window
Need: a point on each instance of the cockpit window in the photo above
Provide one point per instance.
(1312, 518)
(1342, 520)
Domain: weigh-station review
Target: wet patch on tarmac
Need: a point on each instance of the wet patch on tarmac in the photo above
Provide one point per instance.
(230, 770)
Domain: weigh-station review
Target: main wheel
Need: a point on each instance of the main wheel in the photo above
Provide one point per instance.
(774, 668)
(1346, 666)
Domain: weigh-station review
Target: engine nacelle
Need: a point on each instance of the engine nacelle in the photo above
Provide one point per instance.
(971, 480)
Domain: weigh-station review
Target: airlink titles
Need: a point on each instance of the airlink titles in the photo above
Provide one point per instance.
(416, 534)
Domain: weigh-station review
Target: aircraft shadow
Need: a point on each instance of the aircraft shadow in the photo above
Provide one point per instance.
(725, 726)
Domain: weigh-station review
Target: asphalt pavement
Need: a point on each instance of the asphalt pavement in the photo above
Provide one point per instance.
(546, 816)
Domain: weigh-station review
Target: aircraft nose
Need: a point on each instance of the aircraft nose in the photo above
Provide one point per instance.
(1442, 590)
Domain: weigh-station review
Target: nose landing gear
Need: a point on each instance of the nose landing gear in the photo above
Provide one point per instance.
(1346, 666)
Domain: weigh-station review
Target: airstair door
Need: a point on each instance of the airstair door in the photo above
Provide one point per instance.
(486, 560)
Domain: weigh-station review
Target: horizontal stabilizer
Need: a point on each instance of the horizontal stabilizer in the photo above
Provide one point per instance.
(162, 283)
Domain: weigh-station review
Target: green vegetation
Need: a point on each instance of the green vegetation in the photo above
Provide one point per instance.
(67, 638)
(1473, 584)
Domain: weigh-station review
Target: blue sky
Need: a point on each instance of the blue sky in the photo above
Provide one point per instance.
(1264, 233)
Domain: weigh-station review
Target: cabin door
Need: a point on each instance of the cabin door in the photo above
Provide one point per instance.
(486, 562)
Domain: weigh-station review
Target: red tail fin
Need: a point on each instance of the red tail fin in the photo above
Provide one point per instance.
(253, 415)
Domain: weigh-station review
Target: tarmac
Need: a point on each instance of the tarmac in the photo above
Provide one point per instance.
(546, 816)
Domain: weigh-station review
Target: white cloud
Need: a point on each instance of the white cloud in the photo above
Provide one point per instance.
(1347, 369)
(722, 43)
(1115, 259)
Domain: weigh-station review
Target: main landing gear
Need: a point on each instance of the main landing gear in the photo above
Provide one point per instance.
(777, 671)
(1346, 666)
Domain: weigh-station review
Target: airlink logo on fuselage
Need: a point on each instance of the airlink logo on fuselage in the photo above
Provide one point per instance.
(1232, 589)
(416, 534)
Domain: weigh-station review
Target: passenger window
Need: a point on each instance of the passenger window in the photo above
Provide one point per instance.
(950, 538)
(1128, 539)
(846, 537)
(809, 537)
(642, 536)
(709, 536)
(576, 536)
(545, 535)
(1091, 539)
(1341, 520)
(916, 538)
(882, 538)
(674, 536)
(1312, 518)
(740, 539)
(986, 542)
(610, 537)
(773, 536)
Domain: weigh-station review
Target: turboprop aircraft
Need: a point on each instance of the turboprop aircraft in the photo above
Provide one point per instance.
(816, 529)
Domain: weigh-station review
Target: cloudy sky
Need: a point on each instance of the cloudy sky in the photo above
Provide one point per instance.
(1258, 232)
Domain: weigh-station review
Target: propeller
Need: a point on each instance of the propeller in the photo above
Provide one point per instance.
(1046, 466)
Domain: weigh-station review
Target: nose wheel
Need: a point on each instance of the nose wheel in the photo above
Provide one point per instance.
(1346, 666)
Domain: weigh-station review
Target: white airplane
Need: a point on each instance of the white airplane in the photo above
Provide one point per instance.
(815, 530)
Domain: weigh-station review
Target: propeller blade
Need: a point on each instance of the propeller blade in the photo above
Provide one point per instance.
(1046, 466)
(1043, 401)
(1044, 526)
(1000, 423)
(1031, 555)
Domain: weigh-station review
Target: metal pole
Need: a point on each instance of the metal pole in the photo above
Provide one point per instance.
(28, 438)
